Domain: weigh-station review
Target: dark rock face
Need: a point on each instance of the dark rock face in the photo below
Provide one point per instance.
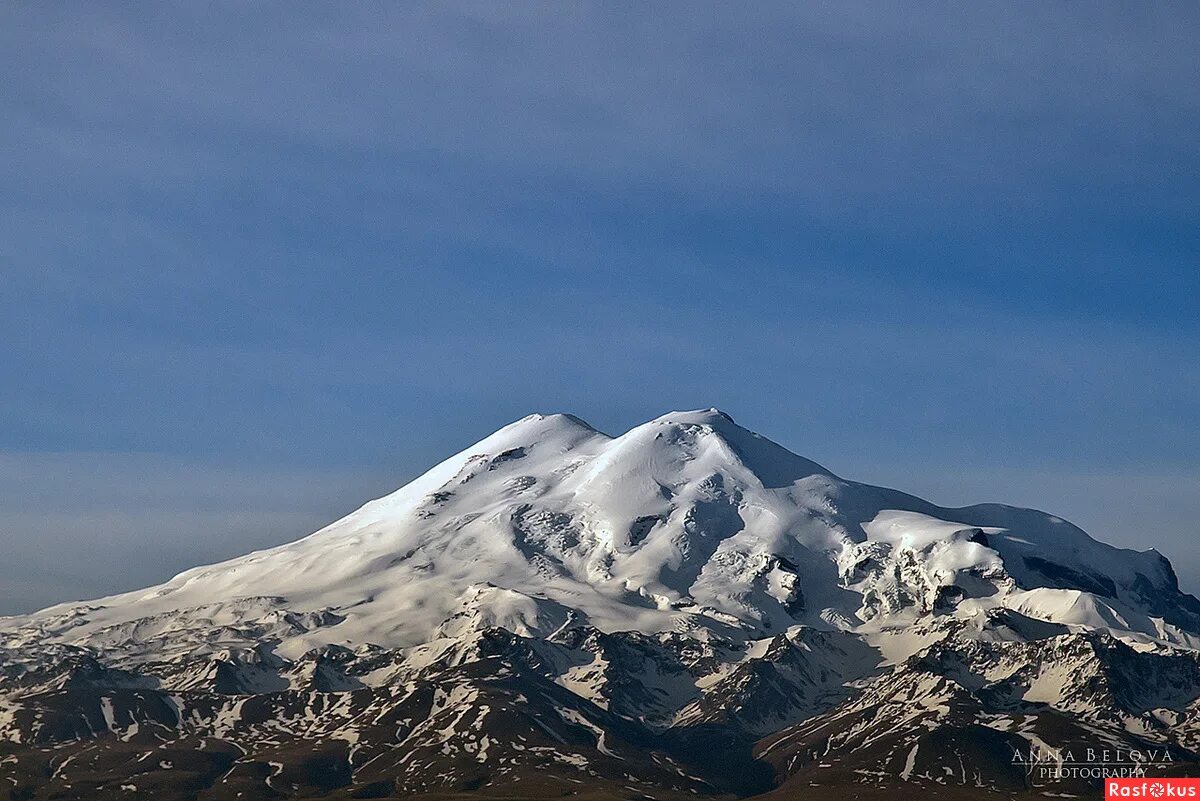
(1070, 578)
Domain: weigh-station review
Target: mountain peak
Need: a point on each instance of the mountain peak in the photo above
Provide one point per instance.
(553, 419)
(537, 427)
(711, 416)
(772, 464)
(689, 522)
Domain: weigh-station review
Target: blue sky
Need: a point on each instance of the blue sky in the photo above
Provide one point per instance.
(261, 263)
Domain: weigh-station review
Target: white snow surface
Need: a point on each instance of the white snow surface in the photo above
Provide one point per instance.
(688, 523)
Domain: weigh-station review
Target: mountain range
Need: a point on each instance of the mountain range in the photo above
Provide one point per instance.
(686, 610)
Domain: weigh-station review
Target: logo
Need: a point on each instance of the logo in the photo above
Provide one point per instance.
(1152, 788)
(1045, 763)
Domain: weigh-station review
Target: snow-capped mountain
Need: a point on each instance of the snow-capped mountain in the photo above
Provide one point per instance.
(687, 608)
